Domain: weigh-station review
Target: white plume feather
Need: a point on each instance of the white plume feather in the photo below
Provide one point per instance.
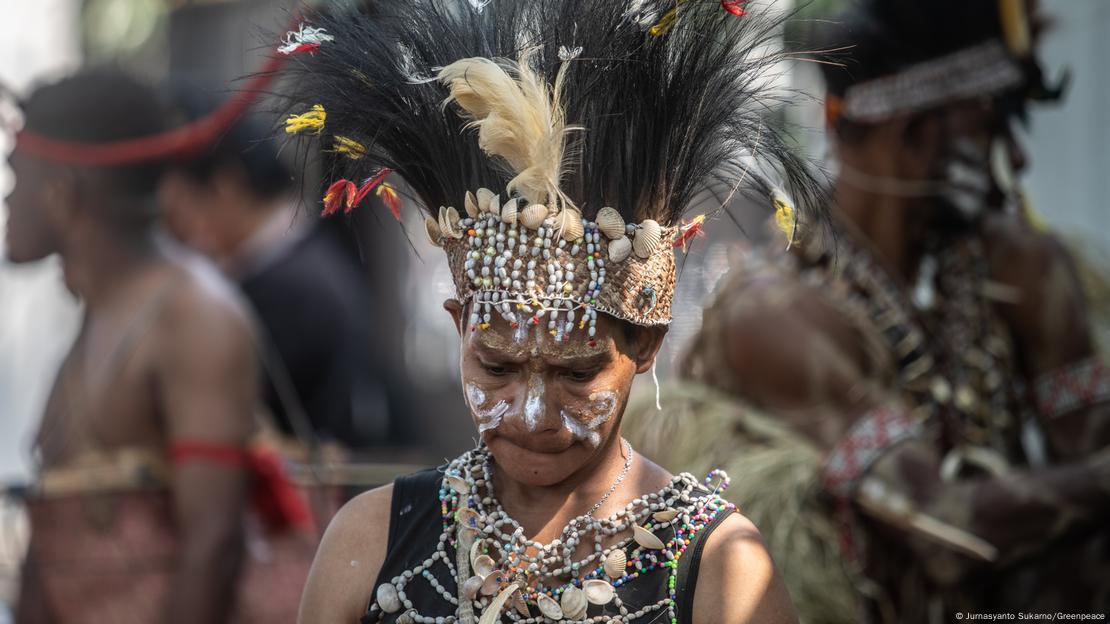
(518, 119)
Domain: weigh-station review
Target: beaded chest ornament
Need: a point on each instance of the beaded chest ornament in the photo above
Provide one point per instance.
(499, 573)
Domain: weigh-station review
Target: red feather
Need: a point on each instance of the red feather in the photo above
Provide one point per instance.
(689, 231)
(303, 48)
(339, 191)
(736, 7)
(366, 188)
(391, 200)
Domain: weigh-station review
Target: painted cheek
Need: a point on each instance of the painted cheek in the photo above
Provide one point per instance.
(583, 421)
(489, 413)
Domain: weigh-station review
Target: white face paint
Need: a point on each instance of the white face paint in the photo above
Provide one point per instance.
(489, 417)
(583, 424)
(579, 431)
(522, 333)
(534, 402)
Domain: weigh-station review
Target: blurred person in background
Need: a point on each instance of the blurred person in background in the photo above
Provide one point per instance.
(138, 509)
(237, 203)
(917, 401)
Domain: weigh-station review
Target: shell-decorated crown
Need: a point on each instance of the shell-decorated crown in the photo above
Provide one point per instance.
(536, 265)
(596, 128)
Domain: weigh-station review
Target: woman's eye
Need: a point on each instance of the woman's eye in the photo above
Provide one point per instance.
(581, 376)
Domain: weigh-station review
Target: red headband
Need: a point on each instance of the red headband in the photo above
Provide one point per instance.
(184, 141)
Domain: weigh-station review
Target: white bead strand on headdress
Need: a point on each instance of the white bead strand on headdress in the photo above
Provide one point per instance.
(537, 266)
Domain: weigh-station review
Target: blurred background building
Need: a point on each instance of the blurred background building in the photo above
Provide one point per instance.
(224, 40)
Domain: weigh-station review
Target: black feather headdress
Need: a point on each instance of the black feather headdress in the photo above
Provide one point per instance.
(645, 106)
(669, 100)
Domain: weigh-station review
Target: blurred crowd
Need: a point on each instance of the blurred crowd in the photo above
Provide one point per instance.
(243, 366)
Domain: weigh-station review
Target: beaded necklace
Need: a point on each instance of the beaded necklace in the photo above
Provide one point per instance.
(957, 365)
(504, 574)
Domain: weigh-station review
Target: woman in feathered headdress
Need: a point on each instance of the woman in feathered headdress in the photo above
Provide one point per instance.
(556, 148)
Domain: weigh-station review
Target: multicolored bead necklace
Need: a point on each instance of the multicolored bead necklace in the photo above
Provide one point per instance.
(527, 582)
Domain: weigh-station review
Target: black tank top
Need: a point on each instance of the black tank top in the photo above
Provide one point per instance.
(416, 524)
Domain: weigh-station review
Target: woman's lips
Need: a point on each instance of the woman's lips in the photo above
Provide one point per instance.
(543, 444)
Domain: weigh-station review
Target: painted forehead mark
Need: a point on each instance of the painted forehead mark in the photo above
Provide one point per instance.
(494, 341)
(540, 345)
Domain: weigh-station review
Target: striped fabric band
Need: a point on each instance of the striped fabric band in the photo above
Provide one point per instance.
(869, 439)
(1073, 388)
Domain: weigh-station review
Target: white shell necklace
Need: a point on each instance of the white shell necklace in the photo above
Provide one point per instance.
(500, 574)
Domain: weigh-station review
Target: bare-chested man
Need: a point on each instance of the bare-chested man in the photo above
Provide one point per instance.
(907, 367)
(138, 514)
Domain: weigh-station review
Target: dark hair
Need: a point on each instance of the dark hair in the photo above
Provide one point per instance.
(664, 118)
(248, 145)
(102, 105)
(875, 38)
(879, 37)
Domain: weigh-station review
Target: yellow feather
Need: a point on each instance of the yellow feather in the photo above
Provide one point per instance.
(352, 148)
(313, 120)
(785, 218)
(667, 22)
(518, 118)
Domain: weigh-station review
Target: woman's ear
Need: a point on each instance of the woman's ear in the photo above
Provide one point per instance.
(646, 345)
(456, 310)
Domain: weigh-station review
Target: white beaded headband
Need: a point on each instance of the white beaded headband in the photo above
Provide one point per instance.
(535, 265)
(979, 70)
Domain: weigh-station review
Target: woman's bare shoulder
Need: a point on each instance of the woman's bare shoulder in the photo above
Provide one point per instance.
(737, 581)
(346, 566)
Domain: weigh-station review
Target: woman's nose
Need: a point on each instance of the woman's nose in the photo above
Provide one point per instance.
(537, 412)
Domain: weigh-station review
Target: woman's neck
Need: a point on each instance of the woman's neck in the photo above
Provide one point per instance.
(543, 511)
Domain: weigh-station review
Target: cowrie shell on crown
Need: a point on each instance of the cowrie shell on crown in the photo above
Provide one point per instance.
(620, 249)
(471, 205)
(484, 196)
(431, 229)
(509, 211)
(569, 222)
(648, 236)
(610, 222)
(533, 215)
(449, 222)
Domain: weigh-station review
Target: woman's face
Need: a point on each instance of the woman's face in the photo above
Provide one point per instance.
(545, 408)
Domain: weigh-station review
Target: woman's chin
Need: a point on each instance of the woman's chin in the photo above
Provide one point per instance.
(538, 468)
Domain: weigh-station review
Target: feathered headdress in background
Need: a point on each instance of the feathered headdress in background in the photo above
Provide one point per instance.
(597, 123)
